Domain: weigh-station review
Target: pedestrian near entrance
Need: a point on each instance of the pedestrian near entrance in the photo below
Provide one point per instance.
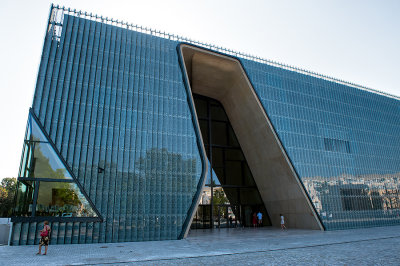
(44, 238)
(254, 219)
(282, 222)
(259, 218)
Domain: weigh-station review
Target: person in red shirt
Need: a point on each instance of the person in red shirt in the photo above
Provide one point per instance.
(44, 238)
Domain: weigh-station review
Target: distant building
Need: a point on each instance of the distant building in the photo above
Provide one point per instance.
(138, 135)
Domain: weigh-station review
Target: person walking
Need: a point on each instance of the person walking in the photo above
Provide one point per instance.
(44, 238)
(282, 222)
(259, 218)
(254, 219)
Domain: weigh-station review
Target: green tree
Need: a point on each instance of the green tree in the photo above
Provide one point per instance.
(8, 187)
(3, 193)
(219, 198)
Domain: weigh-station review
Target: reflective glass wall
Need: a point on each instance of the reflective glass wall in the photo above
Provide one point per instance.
(114, 107)
(344, 143)
(45, 186)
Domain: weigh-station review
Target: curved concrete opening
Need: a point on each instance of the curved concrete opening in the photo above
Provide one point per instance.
(222, 78)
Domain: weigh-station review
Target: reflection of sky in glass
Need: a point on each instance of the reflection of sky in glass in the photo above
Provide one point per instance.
(308, 113)
(45, 148)
(214, 175)
(35, 131)
(54, 161)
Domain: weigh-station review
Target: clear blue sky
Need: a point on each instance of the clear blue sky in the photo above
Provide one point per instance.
(353, 40)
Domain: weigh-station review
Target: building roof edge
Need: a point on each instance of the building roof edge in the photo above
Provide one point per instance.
(57, 20)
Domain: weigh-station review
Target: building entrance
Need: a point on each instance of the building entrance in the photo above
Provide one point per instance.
(230, 196)
(228, 216)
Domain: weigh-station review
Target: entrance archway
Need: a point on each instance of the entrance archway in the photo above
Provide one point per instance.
(223, 78)
(230, 196)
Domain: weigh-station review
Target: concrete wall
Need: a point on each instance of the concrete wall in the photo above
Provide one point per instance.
(222, 78)
(5, 227)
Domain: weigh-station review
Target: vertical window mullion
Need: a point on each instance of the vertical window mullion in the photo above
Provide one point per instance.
(35, 197)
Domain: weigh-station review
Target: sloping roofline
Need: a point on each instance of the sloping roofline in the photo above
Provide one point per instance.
(56, 19)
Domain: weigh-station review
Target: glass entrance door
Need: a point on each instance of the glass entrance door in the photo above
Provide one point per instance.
(227, 216)
(230, 196)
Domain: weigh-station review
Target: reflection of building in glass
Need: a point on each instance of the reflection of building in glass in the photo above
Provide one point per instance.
(368, 198)
(206, 196)
(125, 122)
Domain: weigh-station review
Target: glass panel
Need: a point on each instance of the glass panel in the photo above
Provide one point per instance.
(63, 200)
(214, 178)
(40, 160)
(234, 186)
(218, 157)
(201, 108)
(250, 196)
(234, 154)
(45, 162)
(232, 195)
(201, 220)
(221, 220)
(219, 176)
(218, 136)
(24, 203)
(219, 196)
(234, 174)
(234, 216)
(26, 160)
(34, 132)
(207, 147)
(204, 130)
(206, 196)
(219, 201)
(208, 177)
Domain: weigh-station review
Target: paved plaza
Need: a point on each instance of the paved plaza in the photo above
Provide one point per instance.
(261, 246)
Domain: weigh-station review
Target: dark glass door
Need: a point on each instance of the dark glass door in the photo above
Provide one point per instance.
(230, 196)
(227, 216)
(202, 217)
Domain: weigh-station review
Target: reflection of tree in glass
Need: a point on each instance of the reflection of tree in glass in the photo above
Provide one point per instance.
(24, 198)
(42, 167)
(219, 198)
(62, 199)
(162, 168)
(54, 198)
(161, 159)
(65, 195)
(167, 183)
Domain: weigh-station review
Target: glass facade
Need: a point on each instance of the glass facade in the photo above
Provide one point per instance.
(113, 104)
(112, 151)
(343, 142)
(45, 187)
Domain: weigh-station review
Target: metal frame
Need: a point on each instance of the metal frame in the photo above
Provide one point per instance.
(34, 218)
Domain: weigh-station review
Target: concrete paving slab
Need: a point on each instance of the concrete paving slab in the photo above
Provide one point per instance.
(258, 245)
